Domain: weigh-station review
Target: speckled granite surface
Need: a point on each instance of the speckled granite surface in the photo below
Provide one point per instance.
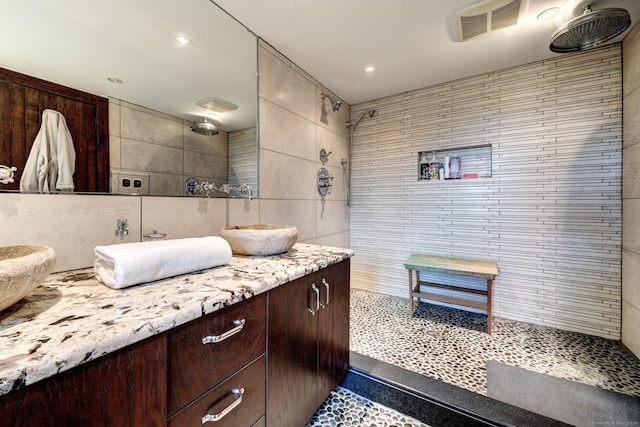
(71, 318)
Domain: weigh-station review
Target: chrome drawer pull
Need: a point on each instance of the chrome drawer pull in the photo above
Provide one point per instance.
(317, 291)
(326, 303)
(212, 339)
(220, 415)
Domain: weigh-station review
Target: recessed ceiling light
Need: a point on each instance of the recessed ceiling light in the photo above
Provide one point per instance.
(548, 13)
(183, 39)
(115, 80)
(370, 68)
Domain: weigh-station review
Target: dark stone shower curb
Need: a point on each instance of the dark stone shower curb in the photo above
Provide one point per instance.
(432, 401)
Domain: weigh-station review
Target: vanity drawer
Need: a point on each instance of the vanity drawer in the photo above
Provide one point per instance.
(195, 367)
(248, 383)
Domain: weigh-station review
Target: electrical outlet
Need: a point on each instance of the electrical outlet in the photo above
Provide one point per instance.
(129, 183)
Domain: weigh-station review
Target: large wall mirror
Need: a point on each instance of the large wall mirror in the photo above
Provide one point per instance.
(163, 65)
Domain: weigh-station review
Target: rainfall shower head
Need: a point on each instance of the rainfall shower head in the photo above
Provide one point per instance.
(336, 104)
(204, 128)
(590, 29)
(351, 123)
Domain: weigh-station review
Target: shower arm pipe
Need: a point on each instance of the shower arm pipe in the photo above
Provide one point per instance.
(336, 104)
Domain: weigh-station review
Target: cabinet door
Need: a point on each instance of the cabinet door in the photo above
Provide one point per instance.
(127, 388)
(292, 354)
(23, 99)
(333, 338)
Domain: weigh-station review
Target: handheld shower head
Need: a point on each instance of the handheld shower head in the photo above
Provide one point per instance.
(336, 104)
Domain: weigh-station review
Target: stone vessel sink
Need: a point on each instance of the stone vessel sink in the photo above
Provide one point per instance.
(22, 269)
(260, 239)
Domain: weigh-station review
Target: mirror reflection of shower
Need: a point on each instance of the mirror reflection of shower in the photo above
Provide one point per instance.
(351, 125)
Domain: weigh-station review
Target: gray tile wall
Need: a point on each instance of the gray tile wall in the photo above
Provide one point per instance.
(73, 224)
(162, 146)
(631, 193)
(550, 215)
(294, 127)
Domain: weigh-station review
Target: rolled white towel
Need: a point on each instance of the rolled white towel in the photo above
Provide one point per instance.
(123, 265)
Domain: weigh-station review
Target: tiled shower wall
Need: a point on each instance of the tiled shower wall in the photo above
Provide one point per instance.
(295, 125)
(550, 215)
(163, 147)
(631, 193)
(243, 158)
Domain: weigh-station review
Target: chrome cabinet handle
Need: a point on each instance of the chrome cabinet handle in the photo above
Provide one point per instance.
(326, 285)
(317, 291)
(220, 415)
(212, 339)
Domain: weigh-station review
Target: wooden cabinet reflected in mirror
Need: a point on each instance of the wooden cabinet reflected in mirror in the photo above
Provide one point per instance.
(23, 99)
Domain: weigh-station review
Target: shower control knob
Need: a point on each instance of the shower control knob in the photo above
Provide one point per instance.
(324, 181)
(324, 156)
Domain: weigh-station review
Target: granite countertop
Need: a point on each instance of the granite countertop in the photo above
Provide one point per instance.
(71, 318)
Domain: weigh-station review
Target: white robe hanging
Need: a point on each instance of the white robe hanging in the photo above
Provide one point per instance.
(52, 160)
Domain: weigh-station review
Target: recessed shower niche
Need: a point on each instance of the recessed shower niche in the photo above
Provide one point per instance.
(468, 162)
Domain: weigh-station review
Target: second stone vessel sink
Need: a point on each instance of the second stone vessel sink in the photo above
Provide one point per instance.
(22, 269)
(260, 239)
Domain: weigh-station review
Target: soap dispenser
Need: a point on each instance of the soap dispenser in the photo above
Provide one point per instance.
(447, 168)
(434, 167)
(423, 167)
(456, 165)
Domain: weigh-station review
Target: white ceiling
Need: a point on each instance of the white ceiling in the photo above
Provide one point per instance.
(409, 41)
(79, 43)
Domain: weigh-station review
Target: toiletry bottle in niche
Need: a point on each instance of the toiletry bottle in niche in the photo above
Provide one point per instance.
(441, 172)
(455, 167)
(423, 167)
(447, 167)
(434, 166)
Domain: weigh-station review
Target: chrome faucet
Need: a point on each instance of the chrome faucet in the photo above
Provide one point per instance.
(243, 189)
(121, 229)
(193, 187)
(154, 236)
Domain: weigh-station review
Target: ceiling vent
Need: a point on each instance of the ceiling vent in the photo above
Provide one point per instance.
(486, 17)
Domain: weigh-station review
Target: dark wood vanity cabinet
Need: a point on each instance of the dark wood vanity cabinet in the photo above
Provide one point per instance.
(308, 344)
(267, 355)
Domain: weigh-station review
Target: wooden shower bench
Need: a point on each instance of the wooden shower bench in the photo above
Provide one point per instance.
(480, 269)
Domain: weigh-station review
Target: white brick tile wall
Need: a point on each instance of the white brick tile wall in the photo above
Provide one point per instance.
(550, 215)
(243, 159)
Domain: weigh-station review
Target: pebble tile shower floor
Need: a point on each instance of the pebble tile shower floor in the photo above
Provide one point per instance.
(347, 409)
(452, 346)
